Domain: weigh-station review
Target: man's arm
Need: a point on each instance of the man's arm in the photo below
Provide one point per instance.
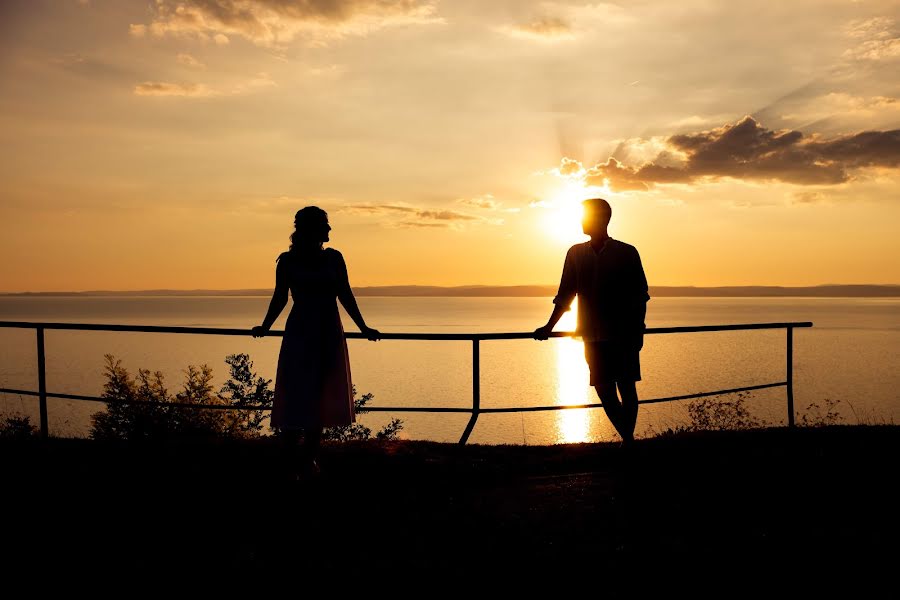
(564, 297)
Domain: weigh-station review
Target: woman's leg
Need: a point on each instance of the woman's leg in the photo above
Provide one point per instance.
(289, 441)
(312, 440)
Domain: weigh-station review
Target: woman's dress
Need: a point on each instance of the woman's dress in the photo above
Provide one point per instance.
(312, 384)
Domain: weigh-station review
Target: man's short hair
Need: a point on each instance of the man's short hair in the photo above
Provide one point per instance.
(599, 207)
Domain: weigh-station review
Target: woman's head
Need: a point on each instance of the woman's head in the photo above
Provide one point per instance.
(310, 228)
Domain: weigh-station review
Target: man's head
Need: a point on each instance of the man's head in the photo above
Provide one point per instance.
(596, 215)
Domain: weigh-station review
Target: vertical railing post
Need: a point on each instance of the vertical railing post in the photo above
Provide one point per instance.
(42, 381)
(790, 376)
(476, 391)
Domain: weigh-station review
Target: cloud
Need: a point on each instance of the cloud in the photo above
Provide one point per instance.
(413, 216)
(165, 88)
(847, 106)
(189, 61)
(422, 213)
(877, 39)
(261, 81)
(421, 224)
(570, 167)
(615, 176)
(546, 28)
(807, 197)
(748, 151)
(486, 201)
(199, 90)
(278, 22)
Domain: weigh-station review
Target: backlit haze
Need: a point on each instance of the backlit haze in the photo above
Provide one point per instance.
(167, 144)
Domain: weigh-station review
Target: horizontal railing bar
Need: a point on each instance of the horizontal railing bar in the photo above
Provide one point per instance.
(384, 336)
(436, 409)
(597, 405)
(748, 388)
(141, 402)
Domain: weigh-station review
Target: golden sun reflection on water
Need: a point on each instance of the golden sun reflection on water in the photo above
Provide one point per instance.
(572, 384)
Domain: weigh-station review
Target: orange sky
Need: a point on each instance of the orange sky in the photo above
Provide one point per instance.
(167, 144)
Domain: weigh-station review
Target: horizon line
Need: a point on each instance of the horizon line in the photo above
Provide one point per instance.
(483, 290)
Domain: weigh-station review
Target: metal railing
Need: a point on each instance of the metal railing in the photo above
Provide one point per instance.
(476, 338)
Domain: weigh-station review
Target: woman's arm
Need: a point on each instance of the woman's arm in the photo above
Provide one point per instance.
(278, 301)
(348, 300)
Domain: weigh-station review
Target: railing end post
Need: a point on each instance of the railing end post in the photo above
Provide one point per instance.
(790, 376)
(42, 382)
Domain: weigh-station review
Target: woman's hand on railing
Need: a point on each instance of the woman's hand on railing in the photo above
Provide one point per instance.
(259, 331)
(373, 335)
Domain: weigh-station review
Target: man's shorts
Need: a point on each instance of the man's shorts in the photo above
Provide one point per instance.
(613, 360)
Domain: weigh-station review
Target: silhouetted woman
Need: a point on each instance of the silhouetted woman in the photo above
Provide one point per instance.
(312, 385)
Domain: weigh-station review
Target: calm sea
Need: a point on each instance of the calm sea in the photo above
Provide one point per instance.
(849, 356)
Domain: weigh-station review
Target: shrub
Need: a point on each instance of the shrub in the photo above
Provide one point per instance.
(358, 431)
(717, 414)
(17, 428)
(142, 408)
(815, 417)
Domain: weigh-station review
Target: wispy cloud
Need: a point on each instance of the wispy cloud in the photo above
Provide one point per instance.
(544, 29)
(167, 88)
(846, 106)
(189, 61)
(278, 22)
(404, 215)
(807, 197)
(875, 39)
(200, 90)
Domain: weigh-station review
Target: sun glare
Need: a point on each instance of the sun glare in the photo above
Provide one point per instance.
(573, 425)
(562, 219)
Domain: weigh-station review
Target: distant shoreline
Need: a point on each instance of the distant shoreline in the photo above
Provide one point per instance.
(544, 291)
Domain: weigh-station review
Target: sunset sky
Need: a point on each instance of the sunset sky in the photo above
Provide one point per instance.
(167, 144)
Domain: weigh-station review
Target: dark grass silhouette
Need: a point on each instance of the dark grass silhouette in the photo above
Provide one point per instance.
(806, 509)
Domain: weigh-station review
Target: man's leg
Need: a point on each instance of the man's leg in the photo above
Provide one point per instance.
(614, 410)
(628, 393)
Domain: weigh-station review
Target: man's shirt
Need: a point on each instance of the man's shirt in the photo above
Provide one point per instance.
(611, 289)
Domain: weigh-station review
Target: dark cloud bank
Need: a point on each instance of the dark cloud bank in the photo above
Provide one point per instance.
(747, 150)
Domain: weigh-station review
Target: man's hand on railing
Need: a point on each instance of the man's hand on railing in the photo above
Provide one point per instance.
(543, 332)
(258, 331)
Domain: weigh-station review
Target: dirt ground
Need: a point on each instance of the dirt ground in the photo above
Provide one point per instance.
(726, 514)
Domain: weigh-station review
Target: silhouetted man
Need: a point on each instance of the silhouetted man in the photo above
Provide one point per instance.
(608, 278)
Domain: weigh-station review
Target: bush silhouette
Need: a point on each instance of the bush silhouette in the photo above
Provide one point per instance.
(142, 408)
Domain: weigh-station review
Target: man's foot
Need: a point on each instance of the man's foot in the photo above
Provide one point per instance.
(308, 470)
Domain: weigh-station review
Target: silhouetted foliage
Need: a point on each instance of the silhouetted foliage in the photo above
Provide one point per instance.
(717, 414)
(815, 417)
(17, 428)
(248, 389)
(135, 409)
(142, 408)
(358, 431)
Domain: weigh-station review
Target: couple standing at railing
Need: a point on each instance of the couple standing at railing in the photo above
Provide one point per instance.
(313, 389)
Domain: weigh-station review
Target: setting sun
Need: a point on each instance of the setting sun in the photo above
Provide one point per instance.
(562, 220)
